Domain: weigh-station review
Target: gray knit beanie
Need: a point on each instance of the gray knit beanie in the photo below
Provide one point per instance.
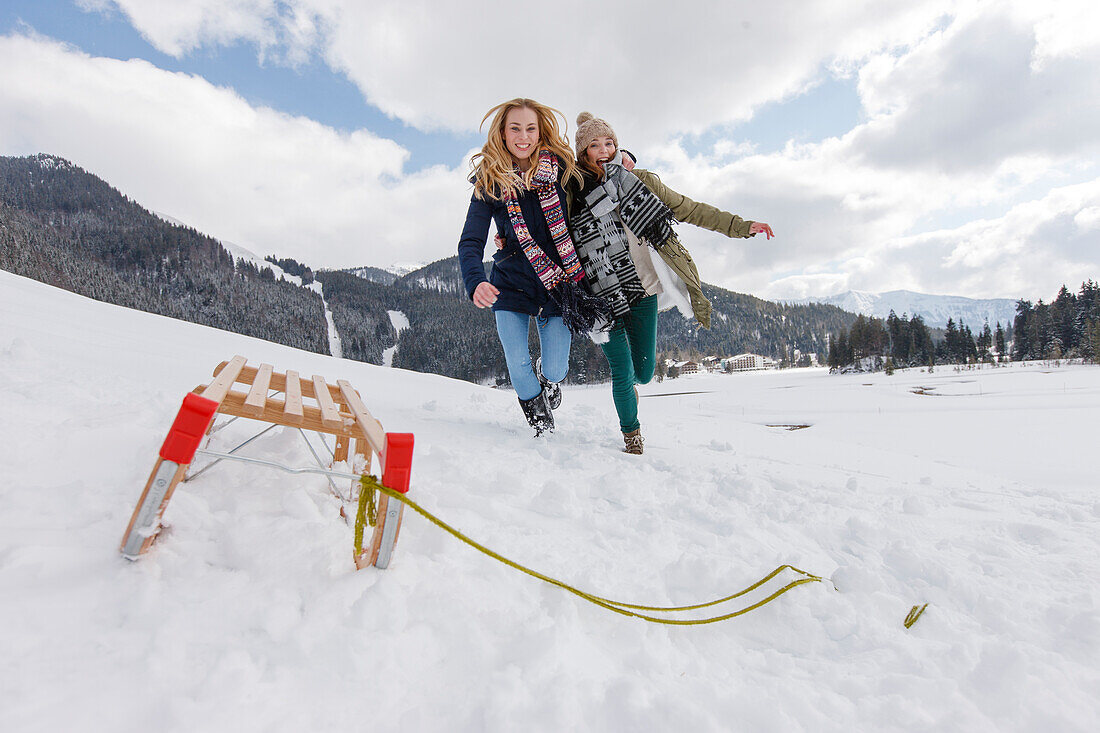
(590, 127)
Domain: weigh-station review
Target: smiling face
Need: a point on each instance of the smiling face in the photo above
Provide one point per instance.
(521, 135)
(599, 151)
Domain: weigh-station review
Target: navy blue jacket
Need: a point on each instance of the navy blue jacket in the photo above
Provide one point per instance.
(520, 288)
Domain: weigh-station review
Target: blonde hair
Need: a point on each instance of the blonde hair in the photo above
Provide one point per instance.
(494, 168)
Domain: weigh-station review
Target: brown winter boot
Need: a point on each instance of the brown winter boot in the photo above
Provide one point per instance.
(634, 441)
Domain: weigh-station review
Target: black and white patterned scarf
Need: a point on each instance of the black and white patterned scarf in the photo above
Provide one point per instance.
(601, 240)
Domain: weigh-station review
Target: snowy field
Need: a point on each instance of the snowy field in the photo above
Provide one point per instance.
(974, 492)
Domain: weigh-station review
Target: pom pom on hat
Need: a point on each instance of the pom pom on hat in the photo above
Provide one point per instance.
(584, 117)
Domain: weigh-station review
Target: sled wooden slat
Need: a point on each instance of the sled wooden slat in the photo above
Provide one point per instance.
(307, 404)
(330, 416)
(292, 408)
(312, 419)
(366, 422)
(225, 380)
(278, 381)
(257, 396)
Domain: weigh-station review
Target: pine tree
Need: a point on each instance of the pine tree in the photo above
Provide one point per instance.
(844, 350)
(951, 342)
(1021, 346)
(985, 343)
(1092, 340)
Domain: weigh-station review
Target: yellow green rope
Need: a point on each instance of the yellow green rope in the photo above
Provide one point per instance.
(367, 512)
(914, 613)
(371, 484)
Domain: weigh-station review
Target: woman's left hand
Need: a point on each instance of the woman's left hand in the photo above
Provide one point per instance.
(758, 226)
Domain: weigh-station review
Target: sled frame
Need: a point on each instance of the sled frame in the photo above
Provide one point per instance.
(286, 399)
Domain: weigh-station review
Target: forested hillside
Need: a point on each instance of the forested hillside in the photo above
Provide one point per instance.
(65, 227)
(448, 335)
(743, 323)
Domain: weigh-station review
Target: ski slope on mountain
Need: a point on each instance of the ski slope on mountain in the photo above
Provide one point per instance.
(972, 491)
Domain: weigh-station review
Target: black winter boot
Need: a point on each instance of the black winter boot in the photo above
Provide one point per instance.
(538, 414)
(551, 389)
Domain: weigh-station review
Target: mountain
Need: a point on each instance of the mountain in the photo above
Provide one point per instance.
(373, 274)
(934, 309)
(447, 335)
(65, 227)
(442, 276)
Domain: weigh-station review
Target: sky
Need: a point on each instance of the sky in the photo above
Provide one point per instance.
(931, 145)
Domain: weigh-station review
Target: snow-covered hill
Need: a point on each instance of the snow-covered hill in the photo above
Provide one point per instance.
(934, 309)
(974, 492)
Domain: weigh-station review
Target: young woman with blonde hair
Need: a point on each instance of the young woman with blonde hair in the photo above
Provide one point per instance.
(518, 178)
(621, 225)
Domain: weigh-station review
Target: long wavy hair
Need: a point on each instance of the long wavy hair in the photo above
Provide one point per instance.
(593, 168)
(494, 170)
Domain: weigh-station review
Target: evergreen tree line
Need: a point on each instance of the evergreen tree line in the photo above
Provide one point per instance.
(449, 336)
(292, 267)
(1069, 327)
(743, 323)
(874, 343)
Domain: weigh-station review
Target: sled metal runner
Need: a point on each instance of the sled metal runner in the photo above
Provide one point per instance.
(286, 399)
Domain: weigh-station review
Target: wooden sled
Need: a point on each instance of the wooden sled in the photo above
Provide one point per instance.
(279, 399)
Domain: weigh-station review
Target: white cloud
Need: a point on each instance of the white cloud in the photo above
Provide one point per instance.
(958, 120)
(254, 176)
(177, 28)
(1030, 251)
(441, 65)
(969, 98)
(967, 106)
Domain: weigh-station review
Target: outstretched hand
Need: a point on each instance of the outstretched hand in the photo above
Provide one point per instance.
(758, 226)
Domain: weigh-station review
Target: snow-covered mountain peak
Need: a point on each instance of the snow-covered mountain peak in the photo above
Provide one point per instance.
(935, 310)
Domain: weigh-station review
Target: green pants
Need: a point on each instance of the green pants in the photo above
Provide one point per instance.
(632, 354)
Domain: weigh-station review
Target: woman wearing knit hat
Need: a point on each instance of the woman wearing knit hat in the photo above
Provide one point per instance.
(620, 219)
(517, 179)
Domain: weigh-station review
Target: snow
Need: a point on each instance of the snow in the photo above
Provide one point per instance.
(335, 345)
(404, 268)
(400, 322)
(977, 497)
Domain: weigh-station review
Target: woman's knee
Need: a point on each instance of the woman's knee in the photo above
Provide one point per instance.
(643, 372)
(555, 375)
(555, 341)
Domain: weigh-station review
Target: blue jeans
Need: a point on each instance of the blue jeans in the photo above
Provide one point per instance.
(554, 340)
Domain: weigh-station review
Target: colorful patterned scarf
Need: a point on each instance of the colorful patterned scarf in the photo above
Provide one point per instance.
(581, 312)
(545, 185)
